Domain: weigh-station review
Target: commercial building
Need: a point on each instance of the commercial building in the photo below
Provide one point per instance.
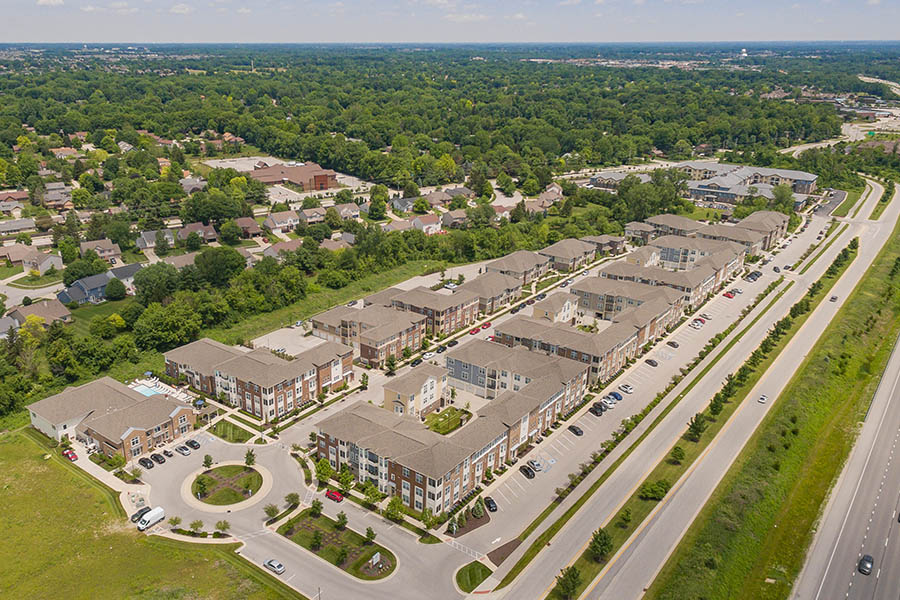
(444, 313)
(521, 264)
(417, 393)
(112, 416)
(308, 176)
(494, 290)
(569, 254)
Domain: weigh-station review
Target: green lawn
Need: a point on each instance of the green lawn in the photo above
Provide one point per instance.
(446, 421)
(470, 576)
(133, 255)
(848, 203)
(329, 551)
(762, 517)
(78, 540)
(230, 432)
(883, 202)
(84, 314)
(32, 283)
(219, 494)
(9, 271)
(702, 214)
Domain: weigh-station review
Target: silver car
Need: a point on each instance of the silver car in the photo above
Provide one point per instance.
(274, 566)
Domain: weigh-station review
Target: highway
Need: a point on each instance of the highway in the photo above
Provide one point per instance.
(604, 505)
(633, 569)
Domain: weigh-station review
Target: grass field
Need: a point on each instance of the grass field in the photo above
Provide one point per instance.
(470, 576)
(849, 202)
(219, 494)
(702, 214)
(78, 540)
(230, 432)
(762, 516)
(446, 421)
(33, 283)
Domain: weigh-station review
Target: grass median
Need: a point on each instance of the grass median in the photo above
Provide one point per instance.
(749, 540)
(844, 208)
(676, 463)
(884, 201)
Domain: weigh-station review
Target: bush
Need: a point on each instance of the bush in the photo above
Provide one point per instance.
(654, 491)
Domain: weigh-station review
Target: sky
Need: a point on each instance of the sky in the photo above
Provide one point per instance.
(422, 21)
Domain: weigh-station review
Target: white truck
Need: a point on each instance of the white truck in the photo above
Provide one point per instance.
(154, 516)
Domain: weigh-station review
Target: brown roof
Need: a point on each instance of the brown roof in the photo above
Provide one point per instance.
(49, 310)
(203, 355)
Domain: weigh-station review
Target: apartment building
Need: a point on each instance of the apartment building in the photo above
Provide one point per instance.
(197, 362)
(696, 285)
(521, 264)
(559, 307)
(114, 417)
(604, 298)
(417, 393)
(751, 240)
(771, 224)
(494, 290)
(611, 244)
(727, 176)
(642, 232)
(645, 256)
(673, 225)
(375, 331)
(611, 180)
(444, 313)
(569, 254)
(682, 253)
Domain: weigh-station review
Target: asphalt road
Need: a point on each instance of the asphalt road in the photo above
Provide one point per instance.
(636, 565)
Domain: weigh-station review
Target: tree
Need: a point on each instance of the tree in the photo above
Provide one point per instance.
(421, 206)
(315, 508)
(601, 545)
(324, 471)
(136, 473)
(201, 486)
(316, 541)
(219, 265)
(196, 526)
(390, 365)
(461, 519)
(377, 209)
(567, 581)
(478, 509)
(696, 427)
(677, 455)
(345, 478)
(341, 520)
(193, 241)
(230, 233)
(342, 555)
(364, 381)
(371, 493)
(223, 525)
(23, 238)
(370, 535)
(410, 190)
(250, 457)
(175, 522)
(154, 283)
(625, 517)
(207, 461)
(271, 510)
(115, 290)
(161, 244)
(292, 499)
(394, 508)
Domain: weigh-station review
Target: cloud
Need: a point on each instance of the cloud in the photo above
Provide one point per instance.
(518, 17)
(569, 2)
(639, 2)
(49, 2)
(336, 8)
(869, 2)
(465, 17)
(88, 8)
(181, 9)
(122, 8)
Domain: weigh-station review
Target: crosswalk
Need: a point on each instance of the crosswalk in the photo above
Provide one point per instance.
(465, 549)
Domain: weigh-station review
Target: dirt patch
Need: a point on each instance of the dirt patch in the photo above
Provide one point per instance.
(500, 554)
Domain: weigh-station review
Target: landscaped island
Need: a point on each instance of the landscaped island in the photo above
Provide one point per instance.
(228, 484)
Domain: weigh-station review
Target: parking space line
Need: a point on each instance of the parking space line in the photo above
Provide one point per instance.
(502, 495)
(521, 487)
(510, 490)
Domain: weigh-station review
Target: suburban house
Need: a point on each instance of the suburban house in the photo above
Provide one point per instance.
(439, 198)
(403, 204)
(460, 191)
(15, 253)
(282, 222)
(104, 248)
(41, 262)
(307, 176)
(112, 416)
(249, 227)
(49, 310)
(402, 225)
(569, 254)
(522, 264)
(192, 184)
(311, 216)
(347, 211)
(377, 332)
(180, 261)
(207, 233)
(12, 208)
(147, 239)
(501, 211)
(429, 223)
(276, 249)
(558, 307)
(333, 245)
(15, 226)
(93, 287)
(667, 224)
(494, 290)
(58, 196)
(444, 313)
(417, 393)
(611, 244)
(642, 232)
(454, 219)
(7, 323)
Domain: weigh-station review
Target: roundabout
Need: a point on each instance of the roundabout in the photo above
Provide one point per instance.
(226, 487)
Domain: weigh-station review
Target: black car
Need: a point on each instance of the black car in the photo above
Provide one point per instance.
(137, 516)
(168, 453)
(865, 564)
(526, 471)
(599, 406)
(452, 343)
(672, 343)
(193, 444)
(441, 349)
(514, 310)
(146, 462)
(541, 296)
(490, 504)
(416, 362)
(651, 362)
(158, 458)
(595, 410)
(576, 430)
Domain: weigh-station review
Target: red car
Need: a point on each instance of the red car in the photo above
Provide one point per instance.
(729, 295)
(334, 495)
(474, 331)
(701, 320)
(486, 325)
(70, 454)
(490, 338)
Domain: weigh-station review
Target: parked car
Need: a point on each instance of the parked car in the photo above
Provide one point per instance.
(705, 316)
(351, 303)
(617, 396)
(140, 513)
(168, 453)
(541, 296)
(535, 465)
(672, 344)
(183, 450)
(486, 325)
(416, 362)
(729, 295)
(441, 349)
(600, 406)
(146, 462)
(274, 566)
(625, 387)
(475, 331)
(334, 495)
(700, 320)
(530, 301)
(490, 504)
(576, 430)
(452, 343)
(865, 564)
(153, 516)
(450, 286)
(739, 290)
(428, 355)
(651, 362)
(776, 269)
(193, 444)
(157, 458)
(595, 410)
(70, 454)
(490, 338)
(526, 471)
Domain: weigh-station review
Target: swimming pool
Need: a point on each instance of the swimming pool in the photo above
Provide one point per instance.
(145, 390)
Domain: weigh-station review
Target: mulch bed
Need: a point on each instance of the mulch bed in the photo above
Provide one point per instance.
(500, 554)
(472, 524)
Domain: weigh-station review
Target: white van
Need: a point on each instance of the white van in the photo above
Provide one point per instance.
(151, 518)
